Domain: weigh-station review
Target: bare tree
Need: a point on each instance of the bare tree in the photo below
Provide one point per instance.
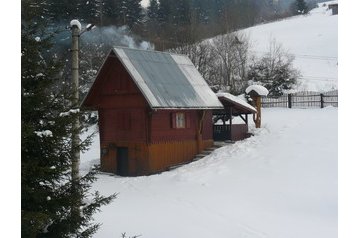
(231, 64)
(223, 61)
(201, 56)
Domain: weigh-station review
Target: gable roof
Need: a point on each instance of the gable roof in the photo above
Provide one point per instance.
(167, 80)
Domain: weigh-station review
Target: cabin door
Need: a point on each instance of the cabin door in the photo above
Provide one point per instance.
(122, 161)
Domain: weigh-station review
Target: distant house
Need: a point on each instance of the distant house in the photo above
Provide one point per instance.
(155, 111)
(334, 7)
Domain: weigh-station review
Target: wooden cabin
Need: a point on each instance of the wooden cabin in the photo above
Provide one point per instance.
(234, 106)
(155, 111)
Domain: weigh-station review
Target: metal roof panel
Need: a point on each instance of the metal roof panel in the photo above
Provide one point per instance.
(167, 80)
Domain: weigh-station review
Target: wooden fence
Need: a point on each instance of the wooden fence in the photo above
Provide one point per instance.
(306, 99)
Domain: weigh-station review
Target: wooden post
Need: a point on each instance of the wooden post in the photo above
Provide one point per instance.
(257, 118)
(256, 92)
(289, 97)
(322, 101)
(199, 133)
(230, 123)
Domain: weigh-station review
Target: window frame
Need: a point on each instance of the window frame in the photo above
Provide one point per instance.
(180, 120)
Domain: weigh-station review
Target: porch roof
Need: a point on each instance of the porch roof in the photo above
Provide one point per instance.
(238, 103)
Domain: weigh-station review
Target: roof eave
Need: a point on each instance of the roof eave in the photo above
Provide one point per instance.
(238, 105)
(186, 108)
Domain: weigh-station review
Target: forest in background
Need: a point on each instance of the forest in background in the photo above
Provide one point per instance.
(174, 25)
(168, 23)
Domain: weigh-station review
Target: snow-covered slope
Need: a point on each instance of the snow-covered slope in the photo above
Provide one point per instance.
(280, 183)
(312, 39)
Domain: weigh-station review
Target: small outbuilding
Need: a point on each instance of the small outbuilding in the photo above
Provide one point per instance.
(155, 111)
(334, 8)
(233, 106)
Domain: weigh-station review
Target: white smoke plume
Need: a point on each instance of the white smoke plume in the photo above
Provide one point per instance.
(115, 36)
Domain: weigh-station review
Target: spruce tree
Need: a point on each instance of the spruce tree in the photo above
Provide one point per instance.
(165, 11)
(47, 195)
(301, 7)
(133, 13)
(153, 10)
(88, 11)
(111, 11)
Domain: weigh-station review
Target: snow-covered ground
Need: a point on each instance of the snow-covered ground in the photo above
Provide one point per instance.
(312, 39)
(280, 183)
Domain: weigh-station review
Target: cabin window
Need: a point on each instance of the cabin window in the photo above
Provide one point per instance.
(180, 120)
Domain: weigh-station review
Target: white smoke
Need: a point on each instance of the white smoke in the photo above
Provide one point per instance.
(115, 36)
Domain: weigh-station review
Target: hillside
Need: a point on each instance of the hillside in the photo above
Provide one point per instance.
(312, 39)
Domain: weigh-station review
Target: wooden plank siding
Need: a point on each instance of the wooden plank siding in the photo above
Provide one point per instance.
(239, 132)
(165, 154)
(127, 121)
(122, 125)
(145, 159)
(137, 154)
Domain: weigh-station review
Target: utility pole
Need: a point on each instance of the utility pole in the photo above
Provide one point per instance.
(75, 151)
(75, 137)
(75, 156)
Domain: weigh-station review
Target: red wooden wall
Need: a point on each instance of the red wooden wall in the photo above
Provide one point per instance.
(126, 120)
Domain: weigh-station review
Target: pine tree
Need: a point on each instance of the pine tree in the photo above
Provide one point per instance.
(153, 10)
(111, 11)
(164, 11)
(201, 10)
(181, 13)
(88, 11)
(301, 6)
(133, 13)
(47, 195)
(64, 10)
(151, 20)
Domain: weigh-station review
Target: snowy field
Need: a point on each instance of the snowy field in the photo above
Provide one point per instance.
(312, 39)
(280, 183)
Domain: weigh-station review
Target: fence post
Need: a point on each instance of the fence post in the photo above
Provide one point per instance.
(322, 102)
(289, 97)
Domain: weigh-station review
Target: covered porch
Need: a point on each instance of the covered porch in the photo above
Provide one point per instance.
(234, 106)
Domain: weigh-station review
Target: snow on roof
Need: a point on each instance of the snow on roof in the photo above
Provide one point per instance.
(75, 22)
(260, 90)
(167, 80)
(322, 4)
(240, 100)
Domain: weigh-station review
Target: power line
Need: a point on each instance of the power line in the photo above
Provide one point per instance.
(315, 57)
(318, 57)
(318, 78)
